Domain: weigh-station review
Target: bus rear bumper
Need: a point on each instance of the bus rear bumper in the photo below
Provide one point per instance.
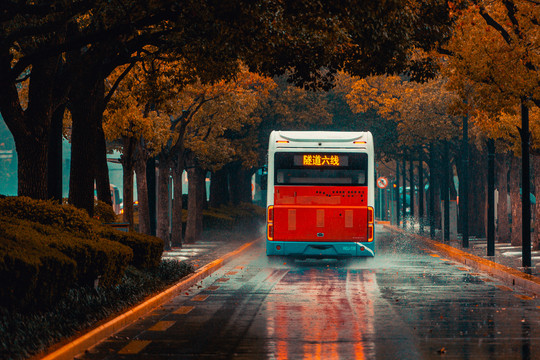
(319, 249)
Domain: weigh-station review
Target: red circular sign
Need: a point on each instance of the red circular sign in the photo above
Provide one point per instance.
(382, 182)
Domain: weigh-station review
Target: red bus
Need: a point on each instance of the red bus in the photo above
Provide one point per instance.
(320, 194)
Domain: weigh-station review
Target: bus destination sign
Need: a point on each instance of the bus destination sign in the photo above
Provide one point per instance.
(321, 160)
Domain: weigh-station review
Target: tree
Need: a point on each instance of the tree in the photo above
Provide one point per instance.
(494, 65)
(97, 36)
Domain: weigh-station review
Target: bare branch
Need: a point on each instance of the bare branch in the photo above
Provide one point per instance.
(494, 24)
(117, 83)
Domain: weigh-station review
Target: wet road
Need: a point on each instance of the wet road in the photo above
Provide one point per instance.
(406, 303)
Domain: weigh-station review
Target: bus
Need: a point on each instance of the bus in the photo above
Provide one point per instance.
(320, 194)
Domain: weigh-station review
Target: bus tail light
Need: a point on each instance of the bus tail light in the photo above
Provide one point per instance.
(270, 214)
(270, 222)
(370, 223)
(270, 232)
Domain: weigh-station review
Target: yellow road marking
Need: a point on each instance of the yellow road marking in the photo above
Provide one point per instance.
(463, 269)
(212, 288)
(182, 310)
(505, 288)
(486, 280)
(223, 279)
(199, 298)
(445, 260)
(239, 267)
(162, 325)
(232, 273)
(434, 255)
(523, 297)
(134, 347)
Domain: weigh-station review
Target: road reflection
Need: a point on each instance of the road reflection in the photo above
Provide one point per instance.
(324, 317)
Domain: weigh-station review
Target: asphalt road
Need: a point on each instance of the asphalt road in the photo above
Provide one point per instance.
(406, 303)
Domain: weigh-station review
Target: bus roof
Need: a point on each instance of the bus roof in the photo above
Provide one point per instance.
(332, 136)
(321, 139)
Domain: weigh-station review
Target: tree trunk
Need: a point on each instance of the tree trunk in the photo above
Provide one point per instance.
(240, 185)
(32, 168)
(54, 173)
(142, 191)
(30, 128)
(163, 201)
(477, 193)
(412, 187)
(103, 185)
(503, 223)
(195, 206)
(515, 201)
(421, 190)
(178, 169)
(203, 203)
(219, 188)
(127, 166)
(435, 186)
(151, 182)
(86, 106)
(536, 177)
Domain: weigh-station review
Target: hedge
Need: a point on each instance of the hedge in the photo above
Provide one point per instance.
(147, 250)
(33, 274)
(94, 258)
(48, 212)
(68, 220)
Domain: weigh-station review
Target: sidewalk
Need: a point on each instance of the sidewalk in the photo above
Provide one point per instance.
(207, 255)
(505, 265)
(213, 245)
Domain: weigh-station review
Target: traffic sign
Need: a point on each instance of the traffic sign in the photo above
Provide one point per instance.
(382, 182)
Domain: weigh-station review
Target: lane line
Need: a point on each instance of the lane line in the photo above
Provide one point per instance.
(200, 298)
(523, 297)
(162, 325)
(505, 288)
(182, 310)
(134, 347)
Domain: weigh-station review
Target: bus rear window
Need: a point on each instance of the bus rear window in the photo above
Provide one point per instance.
(308, 168)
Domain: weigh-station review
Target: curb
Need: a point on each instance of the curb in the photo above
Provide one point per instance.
(79, 345)
(506, 274)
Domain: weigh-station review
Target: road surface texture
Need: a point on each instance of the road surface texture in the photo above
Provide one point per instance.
(406, 303)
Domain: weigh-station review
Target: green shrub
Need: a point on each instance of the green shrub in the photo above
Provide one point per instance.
(95, 259)
(33, 274)
(147, 250)
(104, 212)
(65, 217)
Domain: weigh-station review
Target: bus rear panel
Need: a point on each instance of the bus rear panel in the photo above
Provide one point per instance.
(320, 201)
